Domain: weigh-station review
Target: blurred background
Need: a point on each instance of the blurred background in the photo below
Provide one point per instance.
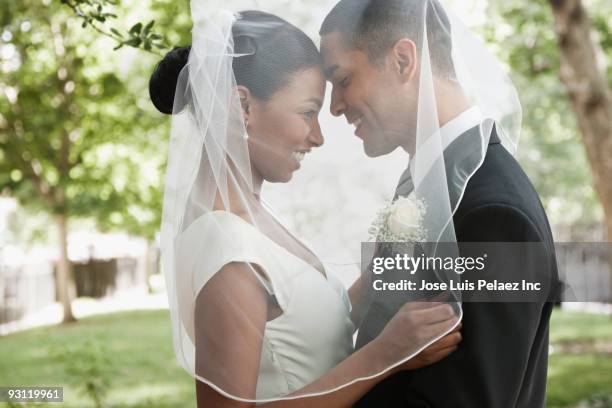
(82, 161)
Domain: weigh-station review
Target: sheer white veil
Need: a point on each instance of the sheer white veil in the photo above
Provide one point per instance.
(332, 201)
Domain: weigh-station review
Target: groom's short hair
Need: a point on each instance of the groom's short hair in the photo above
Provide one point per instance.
(374, 26)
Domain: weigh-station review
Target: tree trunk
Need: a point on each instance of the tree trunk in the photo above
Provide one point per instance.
(582, 72)
(65, 281)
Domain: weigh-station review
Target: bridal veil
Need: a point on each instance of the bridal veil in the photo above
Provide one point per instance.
(209, 169)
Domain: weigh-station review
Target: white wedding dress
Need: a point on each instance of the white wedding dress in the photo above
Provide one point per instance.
(314, 332)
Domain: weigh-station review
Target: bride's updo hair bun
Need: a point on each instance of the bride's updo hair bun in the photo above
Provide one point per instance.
(162, 85)
(271, 49)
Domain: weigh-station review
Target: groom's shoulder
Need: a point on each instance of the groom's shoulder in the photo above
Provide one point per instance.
(502, 182)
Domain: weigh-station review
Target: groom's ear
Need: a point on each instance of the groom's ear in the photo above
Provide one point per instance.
(404, 56)
(245, 101)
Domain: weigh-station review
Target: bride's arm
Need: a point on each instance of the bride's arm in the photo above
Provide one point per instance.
(232, 313)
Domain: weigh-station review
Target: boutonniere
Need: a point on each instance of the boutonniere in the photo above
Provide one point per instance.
(401, 220)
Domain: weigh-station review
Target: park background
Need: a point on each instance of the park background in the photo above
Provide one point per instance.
(82, 161)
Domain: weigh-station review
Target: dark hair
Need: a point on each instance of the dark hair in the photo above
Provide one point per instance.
(374, 26)
(275, 50)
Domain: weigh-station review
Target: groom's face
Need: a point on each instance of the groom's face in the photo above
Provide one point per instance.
(370, 95)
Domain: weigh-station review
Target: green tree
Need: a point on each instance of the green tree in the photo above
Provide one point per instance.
(555, 144)
(584, 72)
(73, 136)
(140, 213)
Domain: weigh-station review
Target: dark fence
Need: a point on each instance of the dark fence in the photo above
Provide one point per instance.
(100, 278)
(27, 288)
(585, 267)
(24, 289)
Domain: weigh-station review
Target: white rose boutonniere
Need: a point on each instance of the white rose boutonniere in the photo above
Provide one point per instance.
(400, 221)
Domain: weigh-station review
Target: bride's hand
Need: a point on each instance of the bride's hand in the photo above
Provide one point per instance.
(414, 325)
(435, 352)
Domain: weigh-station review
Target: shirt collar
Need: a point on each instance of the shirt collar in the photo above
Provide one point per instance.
(459, 125)
(454, 128)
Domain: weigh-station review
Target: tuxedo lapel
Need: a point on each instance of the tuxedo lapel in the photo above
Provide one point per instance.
(465, 149)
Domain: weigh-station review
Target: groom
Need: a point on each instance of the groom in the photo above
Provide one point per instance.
(368, 54)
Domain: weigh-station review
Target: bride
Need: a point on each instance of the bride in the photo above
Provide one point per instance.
(257, 318)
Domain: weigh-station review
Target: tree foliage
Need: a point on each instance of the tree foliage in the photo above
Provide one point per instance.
(551, 149)
(77, 136)
(96, 13)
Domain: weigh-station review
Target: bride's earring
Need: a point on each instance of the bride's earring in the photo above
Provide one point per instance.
(244, 103)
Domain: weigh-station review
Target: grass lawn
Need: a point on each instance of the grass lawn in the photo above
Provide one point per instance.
(139, 344)
(144, 372)
(577, 326)
(575, 377)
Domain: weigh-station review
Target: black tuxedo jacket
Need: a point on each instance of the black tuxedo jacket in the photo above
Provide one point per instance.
(503, 357)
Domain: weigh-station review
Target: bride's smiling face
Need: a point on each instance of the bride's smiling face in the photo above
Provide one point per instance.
(285, 128)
